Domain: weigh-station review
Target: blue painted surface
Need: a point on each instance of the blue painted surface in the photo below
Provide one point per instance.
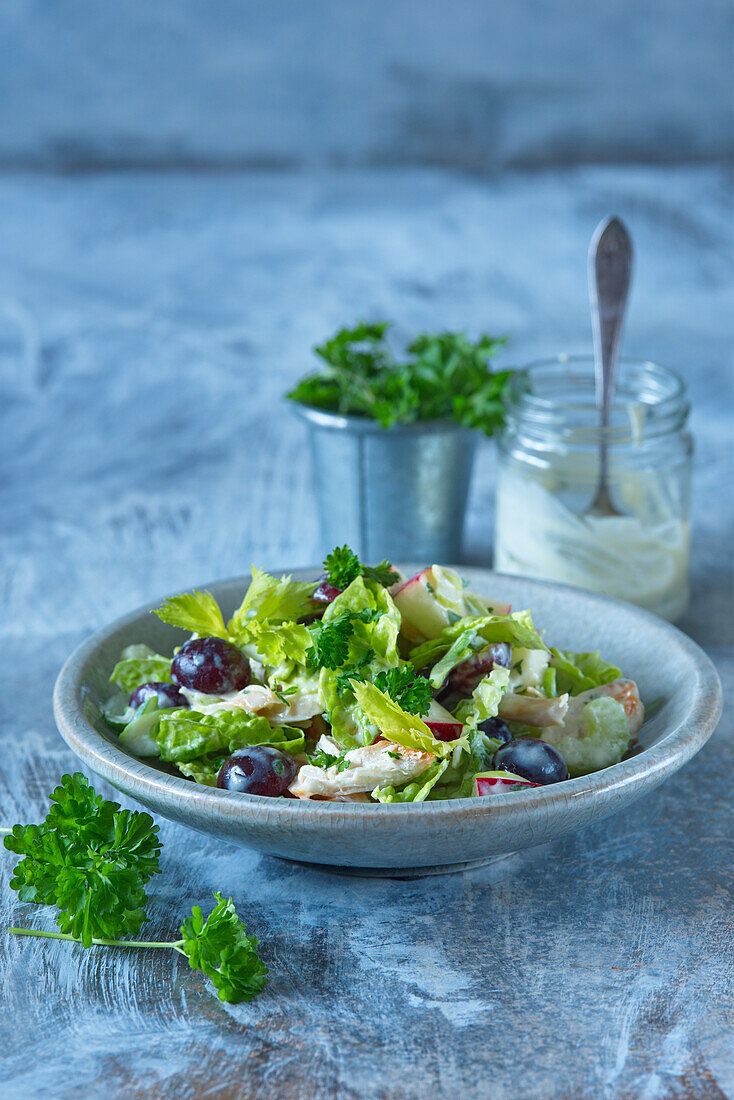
(148, 325)
(470, 84)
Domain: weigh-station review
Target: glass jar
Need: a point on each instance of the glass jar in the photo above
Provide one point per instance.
(547, 476)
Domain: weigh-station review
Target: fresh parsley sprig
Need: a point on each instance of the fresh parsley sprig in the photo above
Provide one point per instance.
(411, 692)
(444, 375)
(92, 860)
(342, 566)
(218, 946)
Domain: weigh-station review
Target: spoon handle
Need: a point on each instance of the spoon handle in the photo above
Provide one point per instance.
(610, 270)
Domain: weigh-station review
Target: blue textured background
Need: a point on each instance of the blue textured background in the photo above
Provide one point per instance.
(298, 165)
(475, 84)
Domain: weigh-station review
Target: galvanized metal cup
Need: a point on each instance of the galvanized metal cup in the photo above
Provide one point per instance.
(398, 493)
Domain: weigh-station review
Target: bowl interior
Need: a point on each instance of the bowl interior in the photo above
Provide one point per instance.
(374, 838)
(648, 650)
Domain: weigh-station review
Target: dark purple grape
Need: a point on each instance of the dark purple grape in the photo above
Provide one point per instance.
(168, 696)
(532, 759)
(210, 665)
(325, 591)
(259, 769)
(495, 727)
(464, 678)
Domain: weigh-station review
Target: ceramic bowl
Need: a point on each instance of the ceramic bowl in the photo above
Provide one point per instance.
(431, 836)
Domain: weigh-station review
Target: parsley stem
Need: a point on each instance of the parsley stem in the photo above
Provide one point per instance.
(6, 831)
(176, 945)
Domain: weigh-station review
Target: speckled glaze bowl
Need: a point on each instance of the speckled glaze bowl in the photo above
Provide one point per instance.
(432, 836)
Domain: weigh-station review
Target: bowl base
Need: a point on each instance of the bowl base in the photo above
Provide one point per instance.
(401, 872)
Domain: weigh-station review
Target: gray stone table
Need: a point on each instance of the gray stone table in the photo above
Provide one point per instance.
(148, 325)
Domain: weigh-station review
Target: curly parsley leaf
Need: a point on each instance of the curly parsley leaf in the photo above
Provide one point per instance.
(322, 759)
(89, 858)
(357, 671)
(330, 648)
(411, 692)
(92, 860)
(342, 566)
(331, 639)
(383, 573)
(220, 947)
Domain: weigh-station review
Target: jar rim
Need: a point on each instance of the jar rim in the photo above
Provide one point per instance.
(655, 390)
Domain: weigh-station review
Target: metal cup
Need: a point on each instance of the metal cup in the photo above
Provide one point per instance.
(398, 493)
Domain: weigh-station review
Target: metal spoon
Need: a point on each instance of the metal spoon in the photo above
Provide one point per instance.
(610, 269)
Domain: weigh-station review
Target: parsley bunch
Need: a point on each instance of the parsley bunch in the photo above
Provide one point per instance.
(445, 375)
(92, 860)
(342, 566)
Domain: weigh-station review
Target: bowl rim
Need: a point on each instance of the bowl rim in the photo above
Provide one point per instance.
(676, 745)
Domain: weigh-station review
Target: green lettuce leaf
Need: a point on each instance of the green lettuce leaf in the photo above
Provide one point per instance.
(205, 769)
(372, 648)
(140, 734)
(417, 790)
(458, 779)
(185, 735)
(196, 612)
(139, 664)
(117, 710)
(455, 783)
(485, 699)
(604, 743)
(274, 644)
(396, 724)
(453, 594)
(269, 600)
(457, 642)
(577, 672)
(381, 633)
(350, 726)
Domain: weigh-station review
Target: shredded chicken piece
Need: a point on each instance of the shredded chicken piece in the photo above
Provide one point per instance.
(257, 699)
(369, 767)
(624, 691)
(532, 710)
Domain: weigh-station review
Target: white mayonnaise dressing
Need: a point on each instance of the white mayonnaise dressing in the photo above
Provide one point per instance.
(641, 556)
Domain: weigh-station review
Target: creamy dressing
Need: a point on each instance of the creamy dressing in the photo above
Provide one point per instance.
(641, 556)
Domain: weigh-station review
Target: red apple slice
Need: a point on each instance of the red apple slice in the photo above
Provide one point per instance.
(423, 616)
(499, 782)
(442, 723)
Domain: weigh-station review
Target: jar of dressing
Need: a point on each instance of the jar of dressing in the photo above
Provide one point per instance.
(547, 475)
